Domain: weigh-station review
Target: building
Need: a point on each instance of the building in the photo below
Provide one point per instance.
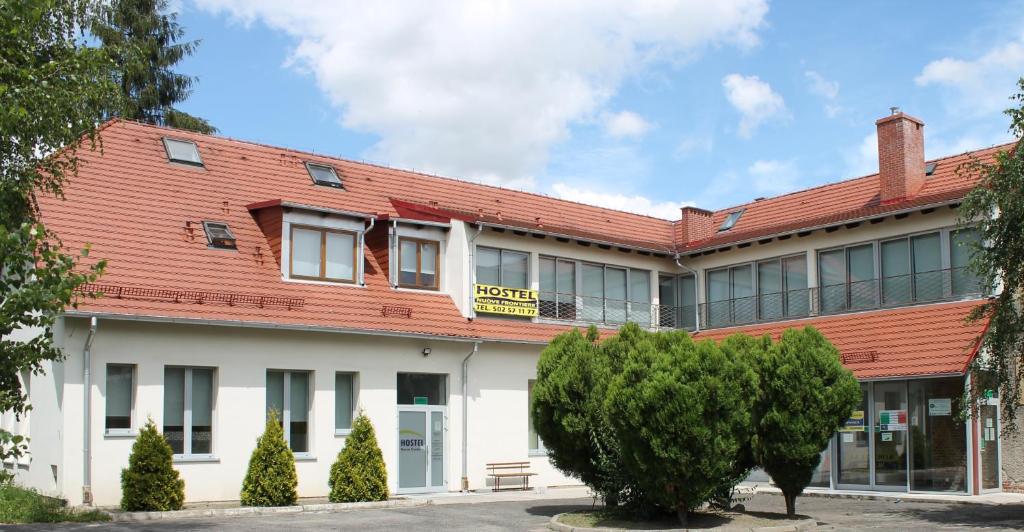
(244, 277)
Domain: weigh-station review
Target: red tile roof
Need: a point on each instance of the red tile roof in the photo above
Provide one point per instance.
(909, 341)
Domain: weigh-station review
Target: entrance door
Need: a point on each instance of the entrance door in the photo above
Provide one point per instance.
(890, 428)
(421, 449)
(853, 451)
(988, 446)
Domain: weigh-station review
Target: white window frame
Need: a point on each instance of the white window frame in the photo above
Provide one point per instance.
(186, 444)
(170, 158)
(541, 450)
(355, 395)
(286, 411)
(132, 429)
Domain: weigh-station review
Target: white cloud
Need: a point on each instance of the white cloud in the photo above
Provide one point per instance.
(755, 100)
(473, 89)
(694, 144)
(984, 84)
(862, 159)
(822, 87)
(667, 210)
(625, 124)
(774, 176)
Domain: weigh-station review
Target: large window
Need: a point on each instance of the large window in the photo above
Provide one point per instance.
(422, 389)
(418, 263)
(677, 297)
(502, 267)
(344, 401)
(188, 410)
(557, 288)
(120, 398)
(730, 295)
(594, 292)
(288, 394)
(323, 254)
(912, 269)
(782, 288)
(961, 248)
(535, 444)
(847, 278)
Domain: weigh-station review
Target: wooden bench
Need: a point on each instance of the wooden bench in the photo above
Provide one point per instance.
(500, 470)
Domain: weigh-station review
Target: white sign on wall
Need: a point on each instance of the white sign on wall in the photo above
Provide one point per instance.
(940, 407)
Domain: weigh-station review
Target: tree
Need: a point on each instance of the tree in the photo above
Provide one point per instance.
(358, 474)
(996, 207)
(150, 483)
(142, 40)
(681, 413)
(54, 90)
(805, 396)
(271, 478)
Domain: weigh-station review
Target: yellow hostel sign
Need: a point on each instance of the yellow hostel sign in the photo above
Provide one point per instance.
(502, 300)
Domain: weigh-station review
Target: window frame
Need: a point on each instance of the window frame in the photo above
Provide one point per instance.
(309, 170)
(286, 406)
(420, 242)
(354, 396)
(579, 296)
(540, 450)
(676, 317)
(227, 229)
(756, 285)
(730, 220)
(323, 254)
(501, 264)
(132, 390)
(186, 423)
(171, 158)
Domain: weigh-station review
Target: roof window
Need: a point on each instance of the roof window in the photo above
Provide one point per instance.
(929, 168)
(323, 175)
(731, 220)
(219, 236)
(182, 151)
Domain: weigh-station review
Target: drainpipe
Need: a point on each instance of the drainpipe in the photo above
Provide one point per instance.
(465, 417)
(87, 418)
(472, 268)
(696, 306)
(392, 252)
(362, 243)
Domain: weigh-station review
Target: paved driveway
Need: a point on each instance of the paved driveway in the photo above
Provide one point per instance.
(533, 515)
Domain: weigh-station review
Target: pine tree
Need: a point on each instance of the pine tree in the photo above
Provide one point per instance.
(271, 478)
(358, 474)
(150, 483)
(142, 40)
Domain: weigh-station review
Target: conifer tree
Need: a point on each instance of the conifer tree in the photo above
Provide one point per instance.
(271, 479)
(358, 474)
(150, 483)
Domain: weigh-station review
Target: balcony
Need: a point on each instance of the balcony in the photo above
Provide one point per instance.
(596, 310)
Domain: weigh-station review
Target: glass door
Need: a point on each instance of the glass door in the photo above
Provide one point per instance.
(988, 446)
(890, 435)
(421, 449)
(853, 452)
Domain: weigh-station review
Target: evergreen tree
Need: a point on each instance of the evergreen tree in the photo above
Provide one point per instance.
(150, 483)
(805, 396)
(271, 479)
(143, 41)
(358, 474)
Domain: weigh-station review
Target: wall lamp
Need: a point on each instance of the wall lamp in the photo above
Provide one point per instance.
(426, 351)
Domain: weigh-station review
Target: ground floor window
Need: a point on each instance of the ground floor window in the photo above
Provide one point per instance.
(536, 445)
(188, 410)
(120, 394)
(288, 395)
(344, 401)
(422, 389)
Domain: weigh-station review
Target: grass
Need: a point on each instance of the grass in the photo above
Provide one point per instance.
(20, 505)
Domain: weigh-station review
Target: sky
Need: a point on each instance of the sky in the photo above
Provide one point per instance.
(642, 106)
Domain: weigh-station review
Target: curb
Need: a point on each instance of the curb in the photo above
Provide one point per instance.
(798, 526)
(966, 501)
(122, 517)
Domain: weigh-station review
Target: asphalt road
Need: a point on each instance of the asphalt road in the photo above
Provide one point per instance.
(832, 514)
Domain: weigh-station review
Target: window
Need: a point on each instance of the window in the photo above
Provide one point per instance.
(605, 294)
(678, 301)
(344, 401)
(418, 263)
(557, 288)
(219, 236)
(422, 389)
(731, 220)
(182, 151)
(323, 175)
(502, 267)
(782, 288)
(288, 395)
(120, 397)
(730, 295)
(847, 278)
(536, 446)
(323, 254)
(912, 269)
(188, 410)
(962, 244)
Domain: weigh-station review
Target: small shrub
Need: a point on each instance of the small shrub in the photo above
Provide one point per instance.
(150, 483)
(271, 479)
(22, 505)
(358, 474)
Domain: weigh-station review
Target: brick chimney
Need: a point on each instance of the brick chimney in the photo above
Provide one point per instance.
(900, 156)
(694, 226)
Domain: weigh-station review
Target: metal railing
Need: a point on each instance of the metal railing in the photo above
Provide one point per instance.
(598, 310)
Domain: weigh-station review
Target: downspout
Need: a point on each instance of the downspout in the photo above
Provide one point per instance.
(696, 306)
(472, 269)
(87, 418)
(465, 416)
(362, 244)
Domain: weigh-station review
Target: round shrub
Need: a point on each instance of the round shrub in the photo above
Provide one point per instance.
(271, 479)
(358, 474)
(150, 483)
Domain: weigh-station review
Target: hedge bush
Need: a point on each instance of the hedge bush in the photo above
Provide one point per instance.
(150, 483)
(271, 479)
(358, 474)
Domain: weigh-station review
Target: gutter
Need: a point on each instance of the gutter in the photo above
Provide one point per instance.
(696, 298)
(87, 417)
(465, 417)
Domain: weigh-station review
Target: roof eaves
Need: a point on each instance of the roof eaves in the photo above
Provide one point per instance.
(293, 205)
(554, 234)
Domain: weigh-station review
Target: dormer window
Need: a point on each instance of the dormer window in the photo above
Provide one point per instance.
(323, 175)
(731, 220)
(320, 254)
(182, 151)
(219, 236)
(418, 263)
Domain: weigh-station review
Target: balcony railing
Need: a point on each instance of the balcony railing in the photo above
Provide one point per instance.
(598, 310)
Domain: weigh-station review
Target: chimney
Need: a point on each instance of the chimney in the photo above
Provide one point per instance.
(900, 156)
(694, 226)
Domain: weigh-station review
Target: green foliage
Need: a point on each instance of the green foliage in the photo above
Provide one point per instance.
(805, 396)
(996, 207)
(54, 90)
(142, 40)
(271, 479)
(12, 448)
(358, 474)
(21, 505)
(150, 483)
(681, 412)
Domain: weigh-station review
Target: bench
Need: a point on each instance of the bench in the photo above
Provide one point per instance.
(500, 470)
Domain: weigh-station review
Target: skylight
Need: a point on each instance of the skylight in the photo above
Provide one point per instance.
(323, 175)
(182, 151)
(219, 236)
(929, 169)
(731, 220)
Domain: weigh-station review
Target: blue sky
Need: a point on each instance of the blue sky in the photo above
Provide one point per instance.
(643, 107)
